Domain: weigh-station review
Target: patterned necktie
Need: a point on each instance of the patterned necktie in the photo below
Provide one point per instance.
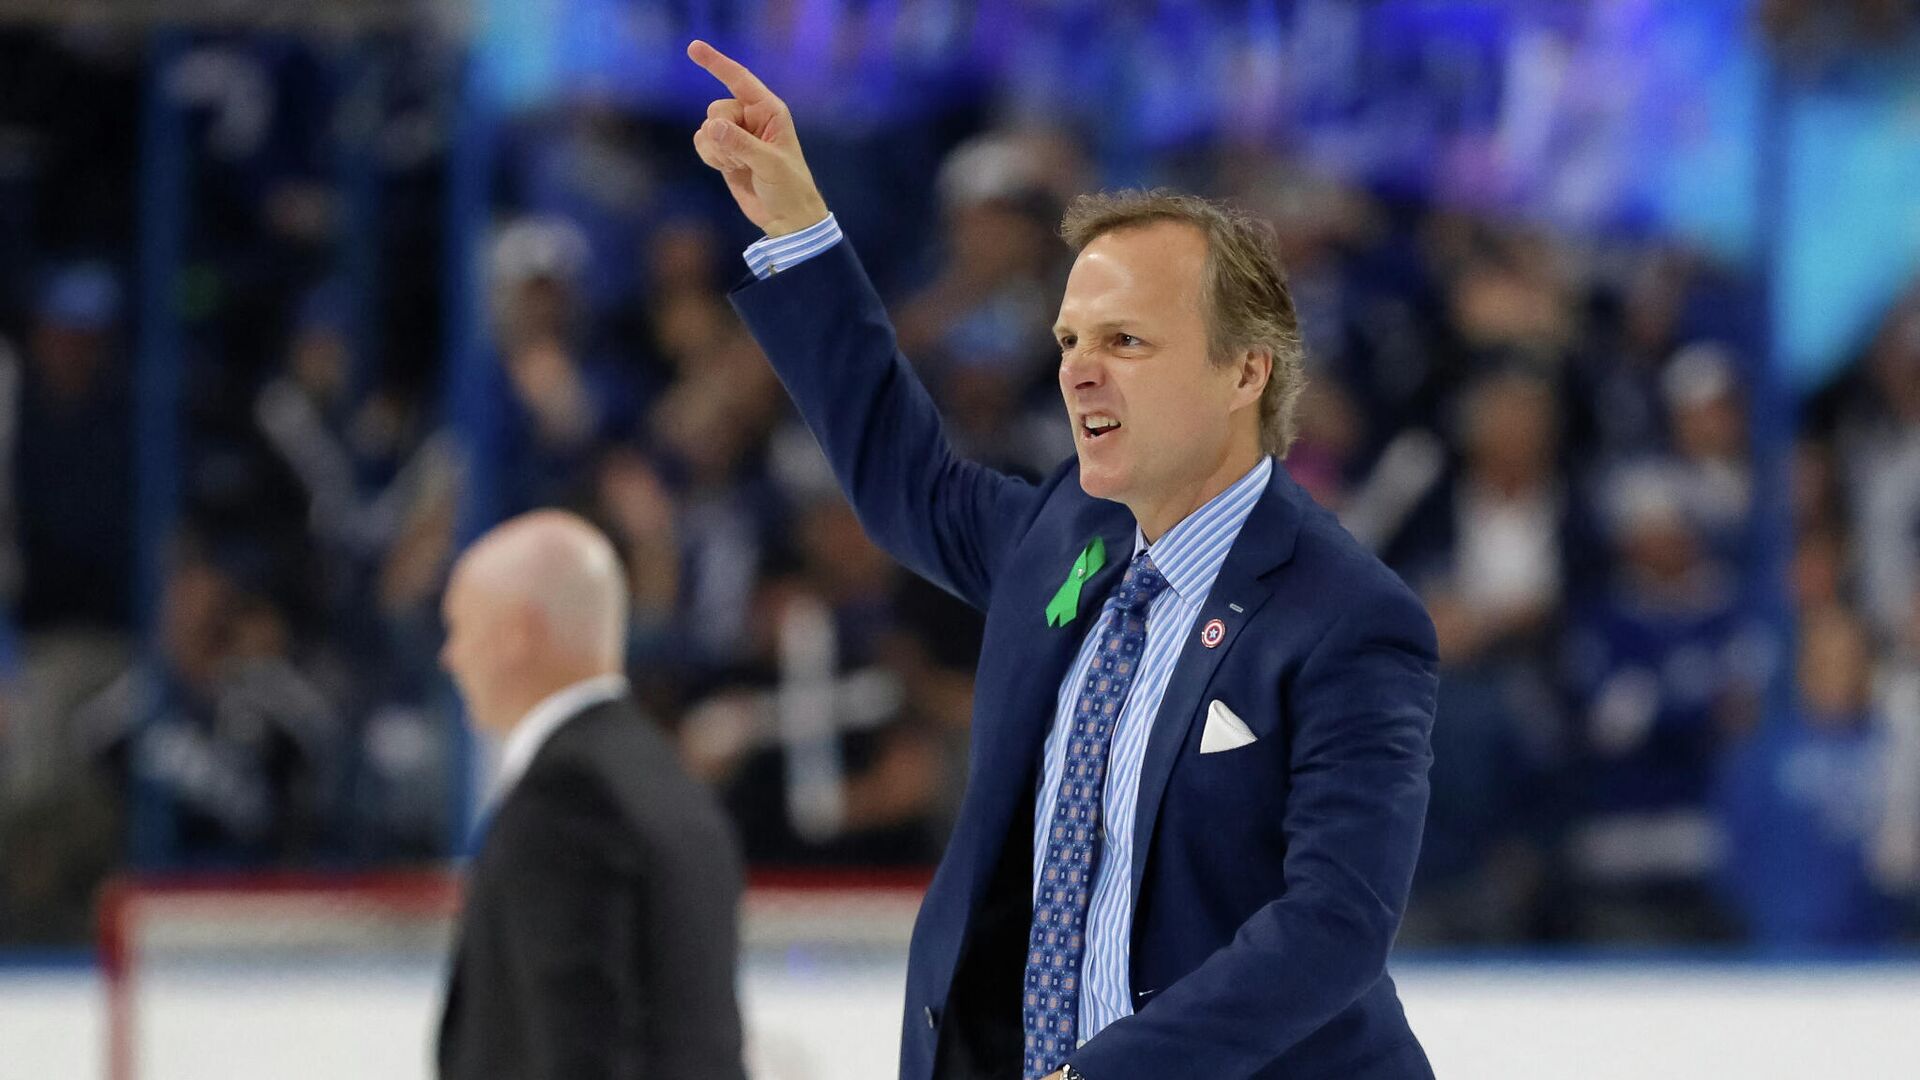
(1057, 943)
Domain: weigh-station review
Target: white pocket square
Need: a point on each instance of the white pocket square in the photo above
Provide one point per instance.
(1225, 729)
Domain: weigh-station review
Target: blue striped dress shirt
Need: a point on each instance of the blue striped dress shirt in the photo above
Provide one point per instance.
(773, 254)
(1189, 557)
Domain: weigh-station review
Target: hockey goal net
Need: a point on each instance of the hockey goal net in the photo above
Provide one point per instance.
(304, 976)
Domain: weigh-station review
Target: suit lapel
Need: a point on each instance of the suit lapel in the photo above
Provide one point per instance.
(1264, 544)
(1025, 703)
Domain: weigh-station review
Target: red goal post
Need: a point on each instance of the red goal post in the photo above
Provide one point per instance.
(147, 922)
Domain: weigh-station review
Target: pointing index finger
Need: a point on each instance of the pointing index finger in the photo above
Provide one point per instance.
(744, 84)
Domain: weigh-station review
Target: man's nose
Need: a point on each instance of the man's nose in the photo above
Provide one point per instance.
(1081, 369)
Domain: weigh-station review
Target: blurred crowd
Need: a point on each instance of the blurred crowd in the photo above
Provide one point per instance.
(1643, 735)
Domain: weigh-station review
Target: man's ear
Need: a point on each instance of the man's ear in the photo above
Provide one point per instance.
(1256, 367)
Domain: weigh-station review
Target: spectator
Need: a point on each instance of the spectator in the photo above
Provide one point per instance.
(1663, 670)
(1494, 599)
(632, 498)
(1708, 417)
(667, 324)
(1804, 800)
(844, 768)
(1896, 848)
(561, 404)
(712, 428)
(980, 327)
(225, 752)
(1504, 575)
(346, 449)
(1614, 394)
(73, 459)
(68, 560)
(1878, 438)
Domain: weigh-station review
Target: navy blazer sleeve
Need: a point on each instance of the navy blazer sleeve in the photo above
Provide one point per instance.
(828, 337)
(1361, 707)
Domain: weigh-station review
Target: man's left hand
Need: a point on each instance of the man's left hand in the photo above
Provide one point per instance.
(750, 140)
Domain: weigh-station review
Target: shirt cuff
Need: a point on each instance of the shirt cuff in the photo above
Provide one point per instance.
(773, 254)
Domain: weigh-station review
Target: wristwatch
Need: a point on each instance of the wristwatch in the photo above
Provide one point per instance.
(1068, 1072)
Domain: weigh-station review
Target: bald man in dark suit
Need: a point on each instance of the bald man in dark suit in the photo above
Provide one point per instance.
(600, 935)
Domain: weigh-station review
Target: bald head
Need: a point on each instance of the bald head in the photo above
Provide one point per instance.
(563, 568)
(533, 606)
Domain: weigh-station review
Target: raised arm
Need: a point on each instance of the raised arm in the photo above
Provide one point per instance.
(819, 321)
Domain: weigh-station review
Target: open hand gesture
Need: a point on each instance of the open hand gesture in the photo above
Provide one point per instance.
(749, 139)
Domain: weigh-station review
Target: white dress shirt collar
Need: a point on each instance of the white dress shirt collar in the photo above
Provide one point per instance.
(541, 721)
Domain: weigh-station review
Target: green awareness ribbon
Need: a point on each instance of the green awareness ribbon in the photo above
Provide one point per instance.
(1065, 606)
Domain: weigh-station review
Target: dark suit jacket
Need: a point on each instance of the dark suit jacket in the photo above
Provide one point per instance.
(600, 935)
(1268, 880)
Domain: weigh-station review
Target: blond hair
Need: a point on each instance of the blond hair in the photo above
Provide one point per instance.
(1249, 307)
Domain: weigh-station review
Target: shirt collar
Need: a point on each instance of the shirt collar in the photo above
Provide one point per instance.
(541, 721)
(1191, 553)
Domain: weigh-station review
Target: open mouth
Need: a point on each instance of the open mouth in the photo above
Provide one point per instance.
(1096, 427)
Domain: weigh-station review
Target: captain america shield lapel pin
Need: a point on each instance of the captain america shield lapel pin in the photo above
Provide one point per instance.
(1212, 634)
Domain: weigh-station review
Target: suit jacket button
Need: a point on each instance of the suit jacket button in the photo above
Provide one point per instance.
(930, 1016)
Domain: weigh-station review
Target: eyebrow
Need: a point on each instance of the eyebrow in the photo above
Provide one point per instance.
(1111, 324)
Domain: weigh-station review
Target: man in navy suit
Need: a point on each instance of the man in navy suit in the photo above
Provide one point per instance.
(1203, 712)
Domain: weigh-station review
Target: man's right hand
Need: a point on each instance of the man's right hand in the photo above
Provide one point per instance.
(749, 139)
